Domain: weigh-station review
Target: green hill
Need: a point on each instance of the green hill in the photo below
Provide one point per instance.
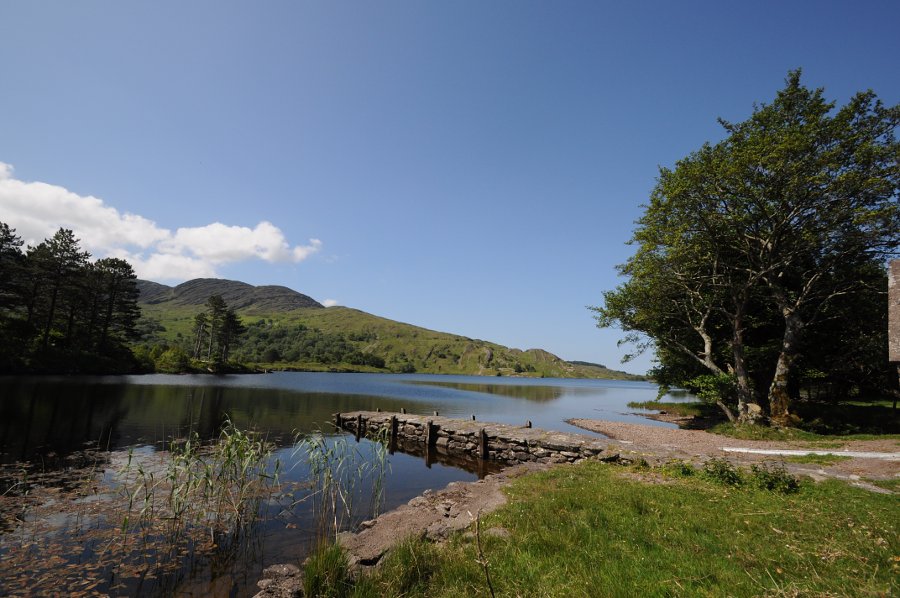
(288, 330)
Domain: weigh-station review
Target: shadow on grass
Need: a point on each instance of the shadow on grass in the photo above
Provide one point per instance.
(816, 418)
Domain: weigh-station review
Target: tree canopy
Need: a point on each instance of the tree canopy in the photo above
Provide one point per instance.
(215, 331)
(754, 252)
(60, 312)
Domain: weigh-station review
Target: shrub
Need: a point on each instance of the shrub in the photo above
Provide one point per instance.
(173, 361)
(722, 472)
(774, 478)
(711, 388)
(679, 468)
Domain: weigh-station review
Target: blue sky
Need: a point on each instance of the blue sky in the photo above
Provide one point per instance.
(472, 167)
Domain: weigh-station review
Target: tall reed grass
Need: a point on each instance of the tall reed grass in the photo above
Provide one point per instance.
(338, 474)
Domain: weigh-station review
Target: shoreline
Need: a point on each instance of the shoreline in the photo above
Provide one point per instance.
(436, 514)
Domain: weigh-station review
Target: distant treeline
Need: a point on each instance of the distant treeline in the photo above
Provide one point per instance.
(219, 339)
(61, 312)
(267, 342)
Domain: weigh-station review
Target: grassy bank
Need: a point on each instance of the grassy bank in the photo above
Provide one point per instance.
(604, 530)
(688, 409)
(819, 423)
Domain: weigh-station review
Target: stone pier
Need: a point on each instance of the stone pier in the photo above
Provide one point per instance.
(507, 444)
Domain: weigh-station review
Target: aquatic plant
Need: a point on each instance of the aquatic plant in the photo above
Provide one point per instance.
(145, 521)
(216, 487)
(337, 472)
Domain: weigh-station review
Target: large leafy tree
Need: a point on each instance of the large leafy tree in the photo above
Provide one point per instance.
(749, 243)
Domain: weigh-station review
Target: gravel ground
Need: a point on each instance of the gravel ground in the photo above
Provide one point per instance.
(655, 443)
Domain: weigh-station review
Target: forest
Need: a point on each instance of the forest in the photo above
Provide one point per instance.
(62, 313)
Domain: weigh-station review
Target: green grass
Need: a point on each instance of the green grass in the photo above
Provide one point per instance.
(816, 459)
(812, 439)
(601, 530)
(692, 409)
(326, 573)
(893, 484)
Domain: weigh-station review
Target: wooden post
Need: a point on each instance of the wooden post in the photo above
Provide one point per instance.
(359, 424)
(392, 443)
(482, 444)
(378, 410)
(473, 417)
(436, 414)
(337, 421)
(528, 424)
(403, 410)
(430, 436)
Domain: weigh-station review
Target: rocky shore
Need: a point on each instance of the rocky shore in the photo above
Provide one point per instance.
(436, 514)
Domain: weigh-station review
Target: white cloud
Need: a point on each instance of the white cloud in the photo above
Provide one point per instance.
(330, 302)
(218, 243)
(37, 210)
(167, 266)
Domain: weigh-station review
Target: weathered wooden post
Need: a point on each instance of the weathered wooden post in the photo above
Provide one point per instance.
(337, 421)
(528, 424)
(430, 436)
(894, 317)
(473, 417)
(359, 425)
(403, 410)
(392, 443)
(436, 413)
(482, 444)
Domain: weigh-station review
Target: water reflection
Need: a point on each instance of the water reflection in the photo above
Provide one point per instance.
(71, 435)
(41, 418)
(45, 418)
(435, 455)
(538, 394)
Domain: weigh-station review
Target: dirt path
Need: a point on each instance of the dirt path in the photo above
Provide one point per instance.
(661, 444)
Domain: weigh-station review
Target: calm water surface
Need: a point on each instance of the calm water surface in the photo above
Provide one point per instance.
(46, 421)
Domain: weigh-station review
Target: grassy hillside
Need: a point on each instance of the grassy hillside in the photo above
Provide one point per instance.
(351, 332)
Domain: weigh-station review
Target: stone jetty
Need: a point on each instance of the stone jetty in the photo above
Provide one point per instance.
(504, 443)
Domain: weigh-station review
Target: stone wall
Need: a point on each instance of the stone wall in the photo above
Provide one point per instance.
(495, 442)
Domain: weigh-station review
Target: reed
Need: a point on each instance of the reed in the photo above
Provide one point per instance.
(338, 471)
(200, 490)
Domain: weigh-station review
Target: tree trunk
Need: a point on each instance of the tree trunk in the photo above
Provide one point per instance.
(198, 345)
(728, 413)
(779, 391)
(107, 320)
(51, 314)
(212, 334)
(740, 368)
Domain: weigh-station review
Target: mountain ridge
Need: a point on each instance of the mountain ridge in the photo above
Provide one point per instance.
(238, 295)
(354, 340)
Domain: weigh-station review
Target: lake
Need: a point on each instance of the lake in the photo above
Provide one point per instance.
(64, 443)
